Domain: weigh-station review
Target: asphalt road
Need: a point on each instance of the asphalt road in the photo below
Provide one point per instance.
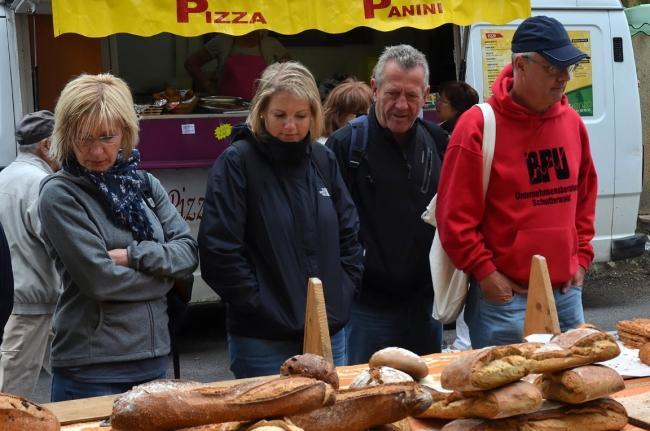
(613, 292)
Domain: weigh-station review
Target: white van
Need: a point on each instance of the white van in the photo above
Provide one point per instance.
(605, 93)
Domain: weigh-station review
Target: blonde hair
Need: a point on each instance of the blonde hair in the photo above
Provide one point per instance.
(89, 102)
(293, 78)
(349, 97)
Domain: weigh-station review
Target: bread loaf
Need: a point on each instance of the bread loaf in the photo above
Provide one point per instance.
(379, 376)
(363, 408)
(400, 359)
(510, 400)
(599, 415)
(487, 368)
(634, 333)
(20, 414)
(263, 425)
(310, 365)
(644, 353)
(169, 405)
(573, 348)
(581, 384)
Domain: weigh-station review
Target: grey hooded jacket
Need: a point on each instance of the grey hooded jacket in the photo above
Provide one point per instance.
(110, 313)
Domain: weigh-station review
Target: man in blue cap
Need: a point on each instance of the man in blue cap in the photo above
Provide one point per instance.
(542, 191)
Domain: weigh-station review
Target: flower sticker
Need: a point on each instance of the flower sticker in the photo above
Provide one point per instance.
(223, 131)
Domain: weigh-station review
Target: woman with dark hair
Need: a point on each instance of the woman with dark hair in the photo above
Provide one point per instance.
(455, 98)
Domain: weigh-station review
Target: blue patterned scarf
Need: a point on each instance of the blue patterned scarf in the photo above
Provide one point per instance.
(119, 191)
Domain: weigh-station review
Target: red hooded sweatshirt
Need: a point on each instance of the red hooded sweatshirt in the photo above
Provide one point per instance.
(541, 197)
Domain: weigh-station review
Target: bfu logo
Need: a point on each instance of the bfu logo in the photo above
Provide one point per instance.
(540, 163)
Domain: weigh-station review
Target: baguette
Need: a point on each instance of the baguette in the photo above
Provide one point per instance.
(599, 415)
(573, 348)
(581, 384)
(19, 414)
(363, 408)
(514, 399)
(169, 405)
(487, 368)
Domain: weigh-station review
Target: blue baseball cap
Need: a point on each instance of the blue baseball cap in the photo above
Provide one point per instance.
(546, 36)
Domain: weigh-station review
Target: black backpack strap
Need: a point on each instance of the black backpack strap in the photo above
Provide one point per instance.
(439, 135)
(358, 141)
(146, 191)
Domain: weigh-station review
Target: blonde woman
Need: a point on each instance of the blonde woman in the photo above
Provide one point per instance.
(117, 257)
(277, 212)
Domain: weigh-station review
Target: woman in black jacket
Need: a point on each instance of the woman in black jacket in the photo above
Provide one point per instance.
(455, 98)
(276, 213)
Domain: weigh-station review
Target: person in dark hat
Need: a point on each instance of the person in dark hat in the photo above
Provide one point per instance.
(25, 347)
(541, 194)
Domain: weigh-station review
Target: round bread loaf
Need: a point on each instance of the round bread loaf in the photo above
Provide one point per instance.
(400, 359)
(378, 376)
(311, 365)
(644, 353)
(19, 414)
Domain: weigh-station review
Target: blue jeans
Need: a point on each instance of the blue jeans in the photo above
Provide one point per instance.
(65, 388)
(408, 325)
(254, 357)
(493, 324)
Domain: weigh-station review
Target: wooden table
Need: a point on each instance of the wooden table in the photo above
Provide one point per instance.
(88, 411)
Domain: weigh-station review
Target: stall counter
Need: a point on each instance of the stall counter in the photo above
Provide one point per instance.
(190, 141)
(79, 414)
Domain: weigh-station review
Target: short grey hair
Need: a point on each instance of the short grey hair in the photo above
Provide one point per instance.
(405, 56)
(31, 148)
(526, 55)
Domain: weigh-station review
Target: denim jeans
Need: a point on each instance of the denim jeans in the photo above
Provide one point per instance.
(254, 357)
(408, 325)
(65, 388)
(493, 324)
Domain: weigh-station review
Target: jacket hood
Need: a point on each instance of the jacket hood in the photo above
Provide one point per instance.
(502, 102)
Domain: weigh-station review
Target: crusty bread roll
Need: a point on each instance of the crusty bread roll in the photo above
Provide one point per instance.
(379, 376)
(634, 333)
(363, 408)
(400, 359)
(573, 348)
(510, 400)
(599, 415)
(311, 365)
(580, 384)
(487, 368)
(167, 404)
(644, 353)
(20, 414)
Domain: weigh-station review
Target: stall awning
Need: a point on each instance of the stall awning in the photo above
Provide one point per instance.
(97, 18)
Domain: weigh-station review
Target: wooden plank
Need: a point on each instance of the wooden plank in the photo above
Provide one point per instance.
(317, 334)
(84, 410)
(541, 314)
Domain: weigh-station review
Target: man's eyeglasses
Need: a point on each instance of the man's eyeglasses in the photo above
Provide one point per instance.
(105, 141)
(554, 70)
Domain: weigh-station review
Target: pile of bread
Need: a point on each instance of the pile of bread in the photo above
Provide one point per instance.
(635, 334)
(503, 388)
(484, 390)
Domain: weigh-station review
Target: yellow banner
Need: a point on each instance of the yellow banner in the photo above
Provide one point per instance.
(98, 18)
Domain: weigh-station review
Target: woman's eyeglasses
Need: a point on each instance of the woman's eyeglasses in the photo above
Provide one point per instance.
(105, 141)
